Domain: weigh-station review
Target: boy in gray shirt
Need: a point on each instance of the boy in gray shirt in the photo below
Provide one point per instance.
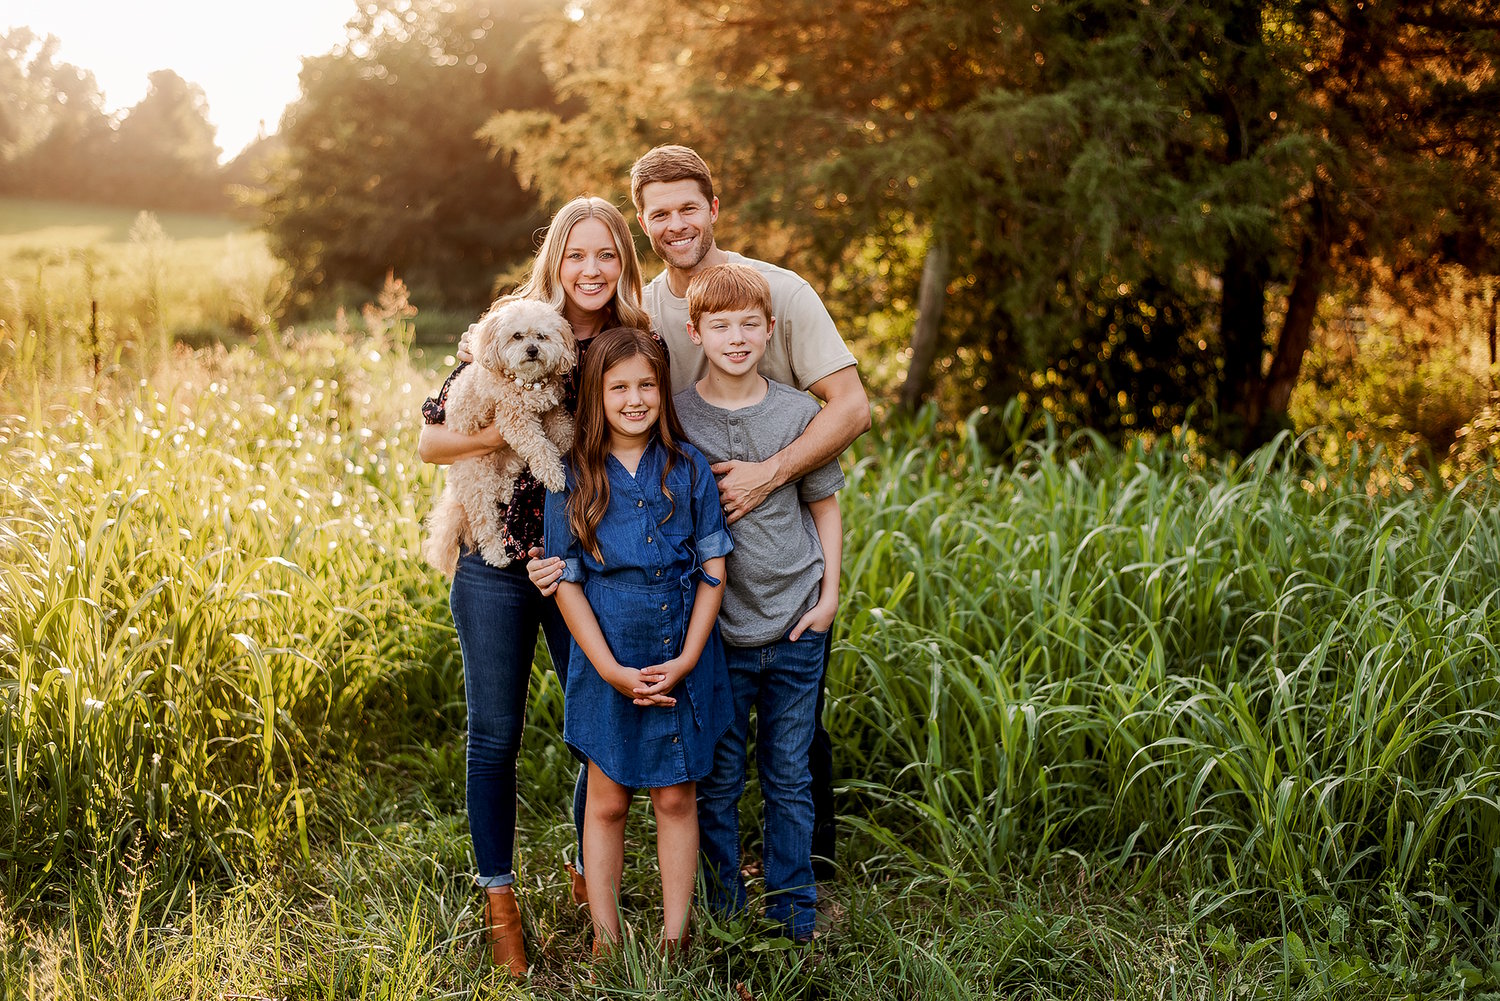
(780, 597)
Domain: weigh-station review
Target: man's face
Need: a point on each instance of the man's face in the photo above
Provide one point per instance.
(679, 222)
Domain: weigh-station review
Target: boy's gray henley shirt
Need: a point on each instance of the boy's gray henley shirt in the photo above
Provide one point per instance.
(776, 569)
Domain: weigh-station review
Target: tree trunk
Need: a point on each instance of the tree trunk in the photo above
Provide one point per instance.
(924, 336)
(1242, 330)
(1494, 300)
(1296, 330)
(1246, 274)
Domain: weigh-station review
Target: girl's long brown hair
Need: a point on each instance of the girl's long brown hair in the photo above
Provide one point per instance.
(590, 451)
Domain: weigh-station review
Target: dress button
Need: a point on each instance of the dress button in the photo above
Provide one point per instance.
(640, 503)
(666, 641)
(663, 608)
(648, 538)
(674, 740)
(658, 573)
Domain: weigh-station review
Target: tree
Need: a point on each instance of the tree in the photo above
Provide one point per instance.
(1141, 206)
(1279, 148)
(53, 129)
(164, 152)
(382, 169)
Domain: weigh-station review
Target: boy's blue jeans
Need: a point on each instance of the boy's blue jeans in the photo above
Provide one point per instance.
(781, 682)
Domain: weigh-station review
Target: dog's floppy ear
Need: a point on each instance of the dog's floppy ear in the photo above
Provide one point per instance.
(563, 330)
(487, 342)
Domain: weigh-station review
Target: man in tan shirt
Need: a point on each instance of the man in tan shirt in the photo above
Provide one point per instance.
(675, 204)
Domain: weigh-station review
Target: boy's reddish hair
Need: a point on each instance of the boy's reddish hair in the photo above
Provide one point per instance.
(667, 164)
(725, 287)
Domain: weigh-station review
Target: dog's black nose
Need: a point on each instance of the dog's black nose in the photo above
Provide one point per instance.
(532, 351)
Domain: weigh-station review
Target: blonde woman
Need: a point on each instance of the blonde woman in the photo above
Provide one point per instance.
(587, 270)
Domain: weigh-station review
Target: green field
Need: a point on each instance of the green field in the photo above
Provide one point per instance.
(31, 226)
(1108, 723)
(158, 280)
(154, 279)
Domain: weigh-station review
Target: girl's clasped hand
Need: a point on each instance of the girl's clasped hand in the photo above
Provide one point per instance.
(646, 686)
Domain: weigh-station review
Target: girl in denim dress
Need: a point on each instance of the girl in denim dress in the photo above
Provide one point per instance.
(643, 540)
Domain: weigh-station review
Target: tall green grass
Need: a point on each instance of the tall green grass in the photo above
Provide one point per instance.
(1266, 690)
(1274, 675)
(203, 589)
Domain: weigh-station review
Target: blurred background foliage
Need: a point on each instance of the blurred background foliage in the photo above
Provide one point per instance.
(1246, 215)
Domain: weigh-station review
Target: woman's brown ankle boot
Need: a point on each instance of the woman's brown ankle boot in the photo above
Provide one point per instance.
(502, 922)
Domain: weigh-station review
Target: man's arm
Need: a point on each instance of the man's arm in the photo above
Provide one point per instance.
(844, 417)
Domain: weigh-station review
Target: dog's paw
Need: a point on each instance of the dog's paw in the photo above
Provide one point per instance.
(551, 476)
(559, 429)
(494, 554)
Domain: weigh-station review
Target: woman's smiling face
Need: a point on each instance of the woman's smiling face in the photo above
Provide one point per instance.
(590, 268)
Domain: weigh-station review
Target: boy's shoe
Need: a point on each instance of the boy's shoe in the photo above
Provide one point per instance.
(502, 924)
(830, 912)
(580, 887)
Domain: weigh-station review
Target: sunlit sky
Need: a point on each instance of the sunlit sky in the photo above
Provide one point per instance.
(244, 56)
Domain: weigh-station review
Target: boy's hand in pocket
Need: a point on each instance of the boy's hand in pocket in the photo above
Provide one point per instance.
(819, 618)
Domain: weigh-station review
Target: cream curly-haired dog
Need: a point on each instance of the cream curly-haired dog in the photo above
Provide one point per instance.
(522, 350)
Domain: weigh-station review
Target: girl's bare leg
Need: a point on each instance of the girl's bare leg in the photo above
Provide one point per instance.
(676, 810)
(604, 852)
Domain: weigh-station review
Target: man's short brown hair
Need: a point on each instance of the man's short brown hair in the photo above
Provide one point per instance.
(726, 287)
(669, 163)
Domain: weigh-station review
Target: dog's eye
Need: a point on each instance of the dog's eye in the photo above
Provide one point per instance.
(517, 336)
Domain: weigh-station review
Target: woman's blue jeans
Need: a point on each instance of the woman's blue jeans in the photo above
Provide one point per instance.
(497, 613)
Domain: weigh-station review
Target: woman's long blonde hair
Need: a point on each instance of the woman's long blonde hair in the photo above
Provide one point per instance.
(545, 283)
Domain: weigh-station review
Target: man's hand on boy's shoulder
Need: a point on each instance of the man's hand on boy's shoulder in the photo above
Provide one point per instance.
(744, 486)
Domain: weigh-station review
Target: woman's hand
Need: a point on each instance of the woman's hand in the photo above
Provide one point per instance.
(462, 352)
(659, 679)
(544, 571)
